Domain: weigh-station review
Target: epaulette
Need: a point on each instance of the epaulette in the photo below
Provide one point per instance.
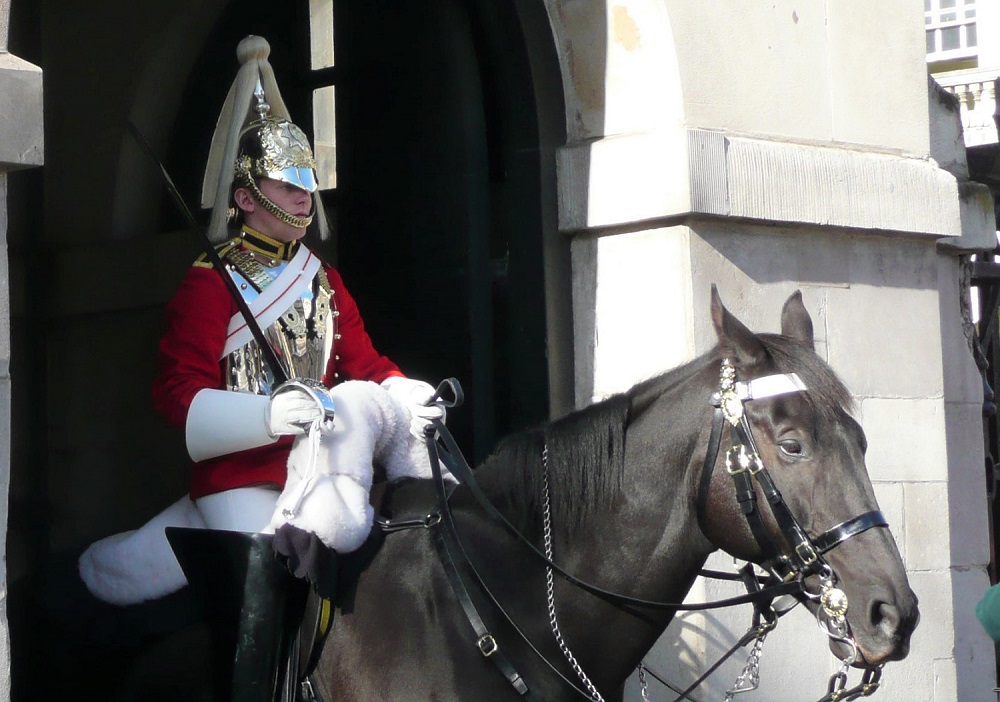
(222, 249)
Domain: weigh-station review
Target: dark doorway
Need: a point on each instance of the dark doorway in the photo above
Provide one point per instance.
(440, 218)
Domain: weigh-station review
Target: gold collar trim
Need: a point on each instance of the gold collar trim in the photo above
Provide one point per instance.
(255, 241)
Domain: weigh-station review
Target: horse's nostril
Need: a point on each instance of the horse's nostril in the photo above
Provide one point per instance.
(885, 617)
(891, 627)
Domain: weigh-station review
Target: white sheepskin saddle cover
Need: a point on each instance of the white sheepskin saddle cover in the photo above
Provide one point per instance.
(326, 493)
(330, 472)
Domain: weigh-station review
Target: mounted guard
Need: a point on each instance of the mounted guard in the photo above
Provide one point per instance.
(264, 345)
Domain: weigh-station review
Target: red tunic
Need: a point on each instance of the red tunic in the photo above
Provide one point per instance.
(189, 353)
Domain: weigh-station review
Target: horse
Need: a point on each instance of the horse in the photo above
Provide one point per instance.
(627, 495)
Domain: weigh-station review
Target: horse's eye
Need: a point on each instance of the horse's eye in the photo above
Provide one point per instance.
(791, 447)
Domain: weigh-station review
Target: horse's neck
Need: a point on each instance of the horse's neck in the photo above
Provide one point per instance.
(638, 538)
(645, 542)
(654, 514)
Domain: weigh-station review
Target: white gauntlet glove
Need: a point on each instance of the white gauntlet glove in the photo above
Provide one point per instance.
(414, 395)
(298, 404)
(221, 422)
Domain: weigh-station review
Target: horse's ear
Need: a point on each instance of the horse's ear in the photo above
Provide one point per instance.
(734, 338)
(795, 320)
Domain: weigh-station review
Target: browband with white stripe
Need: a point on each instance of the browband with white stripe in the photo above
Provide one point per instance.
(769, 386)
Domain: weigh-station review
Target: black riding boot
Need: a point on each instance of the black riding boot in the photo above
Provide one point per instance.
(253, 605)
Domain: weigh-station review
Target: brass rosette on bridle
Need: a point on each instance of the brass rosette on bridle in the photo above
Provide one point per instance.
(285, 155)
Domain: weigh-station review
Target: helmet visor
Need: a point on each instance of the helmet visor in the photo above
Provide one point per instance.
(299, 176)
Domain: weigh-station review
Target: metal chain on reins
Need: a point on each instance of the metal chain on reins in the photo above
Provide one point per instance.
(749, 678)
(839, 692)
(833, 604)
(643, 686)
(550, 584)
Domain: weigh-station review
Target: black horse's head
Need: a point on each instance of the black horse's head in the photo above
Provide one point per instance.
(814, 451)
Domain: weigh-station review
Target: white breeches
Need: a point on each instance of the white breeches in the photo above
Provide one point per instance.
(240, 509)
(139, 565)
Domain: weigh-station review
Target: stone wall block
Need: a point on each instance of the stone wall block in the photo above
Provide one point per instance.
(751, 96)
(974, 657)
(884, 325)
(891, 64)
(583, 251)
(642, 308)
(670, 172)
(911, 680)
(840, 187)
(21, 134)
(927, 539)
(754, 282)
(623, 179)
(968, 517)
(962, 379)
(946, 682)
(978, 221)
(4, 282)
(947, 144)
(905, 439)
(935, 634)
(891, 501)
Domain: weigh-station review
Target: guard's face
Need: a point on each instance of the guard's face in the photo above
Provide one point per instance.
(292, 199)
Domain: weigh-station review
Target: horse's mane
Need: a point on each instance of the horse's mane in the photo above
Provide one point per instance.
(585, 455)
(586, 448)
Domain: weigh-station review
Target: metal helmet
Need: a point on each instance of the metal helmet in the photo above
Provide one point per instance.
(255, 138)
(275, 148)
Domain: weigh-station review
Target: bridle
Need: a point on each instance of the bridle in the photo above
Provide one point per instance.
(798, 555)
(790, 562)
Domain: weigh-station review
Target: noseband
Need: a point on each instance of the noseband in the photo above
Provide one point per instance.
(798, 555)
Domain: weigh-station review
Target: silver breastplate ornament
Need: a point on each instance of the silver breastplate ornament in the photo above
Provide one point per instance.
(303, 336)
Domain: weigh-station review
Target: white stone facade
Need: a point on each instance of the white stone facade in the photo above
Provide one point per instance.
(743, 147)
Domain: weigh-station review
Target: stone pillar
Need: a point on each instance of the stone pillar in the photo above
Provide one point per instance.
(768, 148)
(20, 147)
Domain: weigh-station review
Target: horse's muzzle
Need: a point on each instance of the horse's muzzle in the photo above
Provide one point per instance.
(885, 636)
